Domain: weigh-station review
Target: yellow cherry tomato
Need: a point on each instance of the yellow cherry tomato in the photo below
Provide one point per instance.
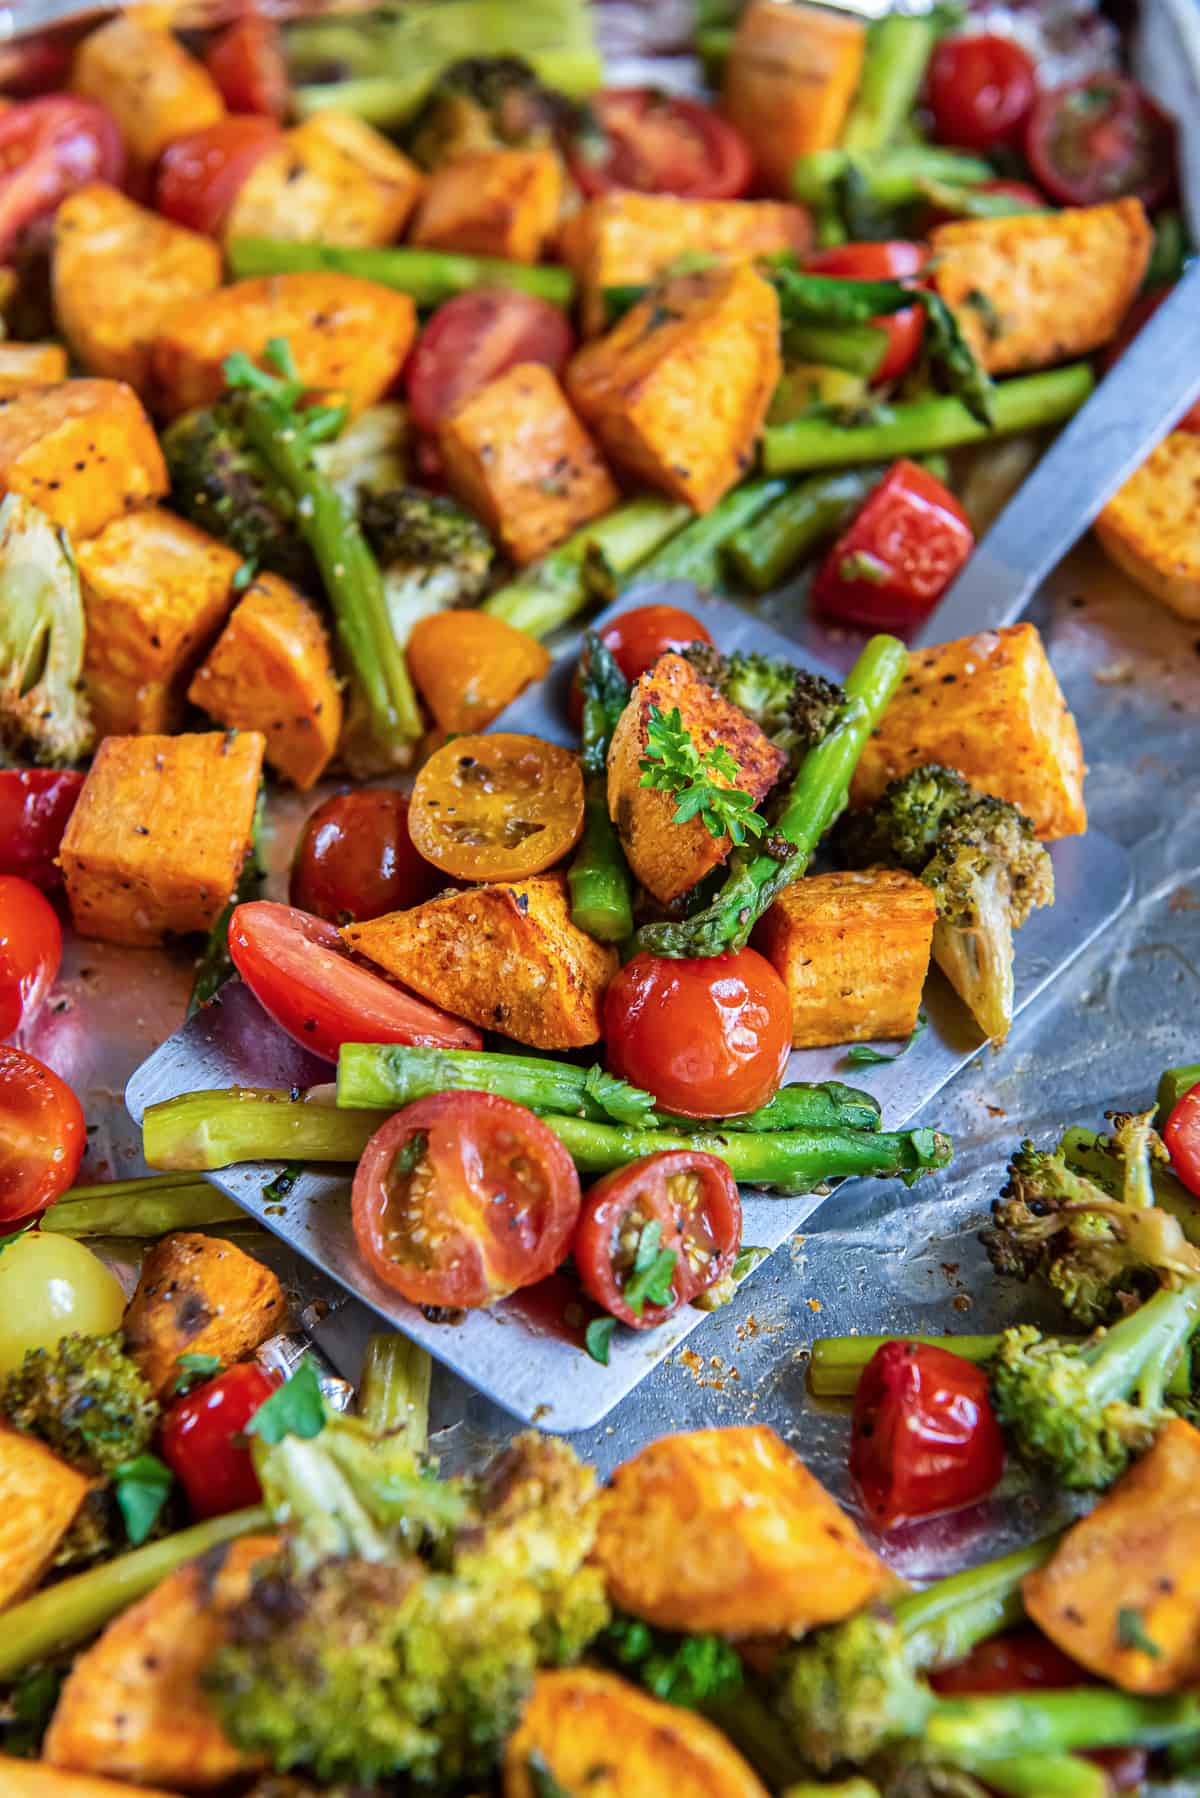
(51, 1286)
(499, 807)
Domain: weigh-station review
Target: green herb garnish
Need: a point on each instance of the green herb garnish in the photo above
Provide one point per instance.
(673, 764)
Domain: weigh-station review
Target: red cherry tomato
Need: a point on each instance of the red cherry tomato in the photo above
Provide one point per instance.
(462, 1198)
(1182, 1137)
(895, 261)
(48, 148)
(30, 951)
(356, 860)
(473, 338)
(980, 90)
(656, 143)
(709, 1037)
(924, 1437)
(1139, 314)
(43, 1134)
(298, 969)
(694, 1201)
(636, 639)
(35, 804)
(200, 175)
(246, 62)
(32, 65)
(1099, 138)
(896, 558)
(202, 1439)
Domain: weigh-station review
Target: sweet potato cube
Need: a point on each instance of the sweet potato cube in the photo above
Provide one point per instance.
(133, 1705)
(1042, 287)
(333, 179)
(492, 203)
(669, 858)
(1128, 1574)
(26, 365)
(727, 1530)
(84, 451)
(516, 454)
(39, 1496)
(348, 337)
(117, 268)
(155, 593)
(35, 1779)
(789, 82)
(1151, 528)
(153, 88)
(157, 839)
(714, 333)
(468, 666)
(506, 957)
(271, 670)
(199, 1295)
(853, 952)
(597, 1733)
(991, 707)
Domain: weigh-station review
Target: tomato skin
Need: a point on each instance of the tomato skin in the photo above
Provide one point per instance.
(199, 175)
(980, 90)
(48, 148)
(924, 1437)
(246, 62)
(42, 1128)
(659, 143)
(704, 1236)
(35, 805)
(474, 337)
(201, 1439)
(708, 1037)
(298, 969)
(356, 860)
(1124, 144)
(32, 65)
(894, 261)
(636, 639)
(1139, 314)
(497, 806)
(1182, 1137)
(30, 951)
(495, 1208)
(896, 558)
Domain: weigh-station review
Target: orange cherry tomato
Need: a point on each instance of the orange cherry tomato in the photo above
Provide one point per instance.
(200, 174)
(42, 1132)
(497, 807)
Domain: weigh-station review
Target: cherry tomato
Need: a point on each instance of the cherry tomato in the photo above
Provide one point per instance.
(246, 62)
(924, 1437)
(1182, 1137)
(52, 1286)
(30, 951)
(42, 1132)
(656, 143)
(202, 1439)
(473, 338)
(980, 90)
(356, 860)
(709, 1037)
(1139, 314)
(33, 65)
(895, 261)
(1099, 138)
(35, 804)
(636, 639)
(692, 1198)
(896, 558)
(298, 970)
(462, 1198)
(201, 174)
(48, 148)
(497, 807)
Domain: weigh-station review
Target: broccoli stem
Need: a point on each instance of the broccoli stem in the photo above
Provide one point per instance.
(838, 1361)
(975, 1732)
(858, 348)
(943, 1623)
(1136, 1356)
(428, 276)
(694, 553)
(598, 878)
(898, 49)
(65, 1614)
(203, 1130)
(1084, 1151)
(974, 203)
(817, 795)
(941, 422)
(893, 176)
(393, 1394)
(390, 100)
(149, 1207)
(215, 965)
(814, 511)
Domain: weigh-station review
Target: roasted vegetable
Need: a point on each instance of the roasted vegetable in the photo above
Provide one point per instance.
(42, 707)
(199, 1295)
(221, 484)
(792, 706)
(432, 553)
(485, 103)
(86, 1399)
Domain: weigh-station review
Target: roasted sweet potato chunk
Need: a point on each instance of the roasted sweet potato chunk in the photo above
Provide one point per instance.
(39, 1496)
(789, 82)
(84, 451)
(26, 365)
(332, 179)
(199, 1295)
(156, 92)
(492, 203)
(35, 1779)
(1151, 528)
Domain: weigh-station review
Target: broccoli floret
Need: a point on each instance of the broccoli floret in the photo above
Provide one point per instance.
(791, 706)
(86, 1399)
(849, 1691)
(981, 860)
(220, 484)
(370, 455)
(42, 707)
(486, 103)
(433, 553)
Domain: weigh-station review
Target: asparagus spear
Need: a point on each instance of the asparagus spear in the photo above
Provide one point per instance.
(394, 1392)
(203, 1130)
(795, 525)
(892, 176)
(429, 276)
(693, 554)
(898, 49)
(859, 349)
(153, 1206)
(598, 877)
(215, 965)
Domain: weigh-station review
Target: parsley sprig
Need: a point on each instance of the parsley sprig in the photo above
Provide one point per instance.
(673, 764)
(653, 1270)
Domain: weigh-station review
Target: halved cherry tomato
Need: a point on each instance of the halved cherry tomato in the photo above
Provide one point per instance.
(473, 338)
(200, 174)
(895, 261)
(657, 143)
(895, 559)
(1182, 1137)
(246, 62)
(43, 1134)
(35, 804)
(355, 859)
(462, 1198)
(48, 148)
(498, 807)
(924, 1437)
(636, 639)
(32, 65)
(980, 90)
(1099, 138)
(1139, 314)
(709, 1037)
(30, 951)
(620, 1254)
(298, 969)
(203, 1444)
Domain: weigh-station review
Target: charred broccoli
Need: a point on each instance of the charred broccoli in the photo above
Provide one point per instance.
(851, 1691)
(979, 857)
(486, 103)
(219, 483)
(370, 455)
(42, 707)
(86, 1399)
(433, 553)
(792, 706)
